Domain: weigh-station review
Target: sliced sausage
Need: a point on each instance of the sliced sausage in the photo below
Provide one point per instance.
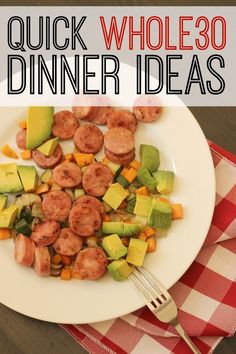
(84, 112)
(102, 115)
(56, 205)
(119, 140)
(147, 114)
(90, 263)
(91, 202)
(65, 125)
(84, 220)
(124, 119)
(46, 233)
(44, 161)
(88, 139)
(21, 139)
(68, 243)
(42, 261)
(24, 250)
(67, 175)
(123, 159)
(96, 179)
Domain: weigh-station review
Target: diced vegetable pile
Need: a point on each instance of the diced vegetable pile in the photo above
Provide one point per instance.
(137, 207)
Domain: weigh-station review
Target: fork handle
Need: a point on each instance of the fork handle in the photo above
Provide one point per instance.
(186, 338)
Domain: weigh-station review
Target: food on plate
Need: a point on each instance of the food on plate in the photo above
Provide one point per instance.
(96, 179)
(56, 205)
(42, 261)
(44, 161)
(147, 109)
(68, 243)
(90, 263)
(24, 250)
(85, 215)
(21, 139)
(119, 141)
(102, 115)
(88, 139)
(64, 125)
(84, 220)
(124, 119)
(39, 125)
(45, 233)
(67, 175)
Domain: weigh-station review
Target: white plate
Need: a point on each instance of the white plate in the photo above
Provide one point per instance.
(183, 148)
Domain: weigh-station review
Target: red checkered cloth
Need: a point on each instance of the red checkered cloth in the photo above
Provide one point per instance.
(205, 295)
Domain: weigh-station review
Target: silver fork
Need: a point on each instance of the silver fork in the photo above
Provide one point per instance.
(159, 301)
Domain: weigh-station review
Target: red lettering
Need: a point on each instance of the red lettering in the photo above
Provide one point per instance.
(113, 31)
(223, 33)
(183, 33)
(168, 46)
(133, 33)
(159, 32)
(203, 33)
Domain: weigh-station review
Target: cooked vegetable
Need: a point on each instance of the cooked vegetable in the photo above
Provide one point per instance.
(129, 174)
(5, 233)
(115, 168)
(151, 241)
(177, 211)
(70, 193)
(3, 201)
(130, 205)
(91, 241)
(122, 181)
(55, 187)
(149, 157)
(42, 188)
(149, 231)
(27, 199)
(135, 164)
(83, 159)
(142, 191)
(146, 179)
(143, 205)
(106, 217)
(142, 236)
(56, 259)
(65, 274)
(23, 227)
(69, 157)
(26, 214)
(9, 152)
(78, 192)
(23, 124)
(26, 154)
(36, 211)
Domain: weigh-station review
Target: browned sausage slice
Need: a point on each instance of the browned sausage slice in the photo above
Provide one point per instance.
(90, 263)
(56, 205)
(24, 250)
(68, 243)
(65, 124)
(88, 139)
(123, 159)
(21, 139)
(124, 119)
(42, 261)
(46, 233)
(84, 220)
(147, 109)
(90, 201)
(67, 175)
(44, 161)
(119, 141)
(84, 112)
(102, 115)
(96, 179)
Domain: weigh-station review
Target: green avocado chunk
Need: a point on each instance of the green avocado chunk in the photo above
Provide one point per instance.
(115, 195)
(119, 269)
(39, 125)
(121, 228)
(49, 147)
(149, 157)
(46, 176)
(8, 216)
(114, 247)
(10, 180)
(143, 205)
(136, 251)
(3, 201)
(29, 177)
(160, 215)
(165, 181)
(145, 178)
